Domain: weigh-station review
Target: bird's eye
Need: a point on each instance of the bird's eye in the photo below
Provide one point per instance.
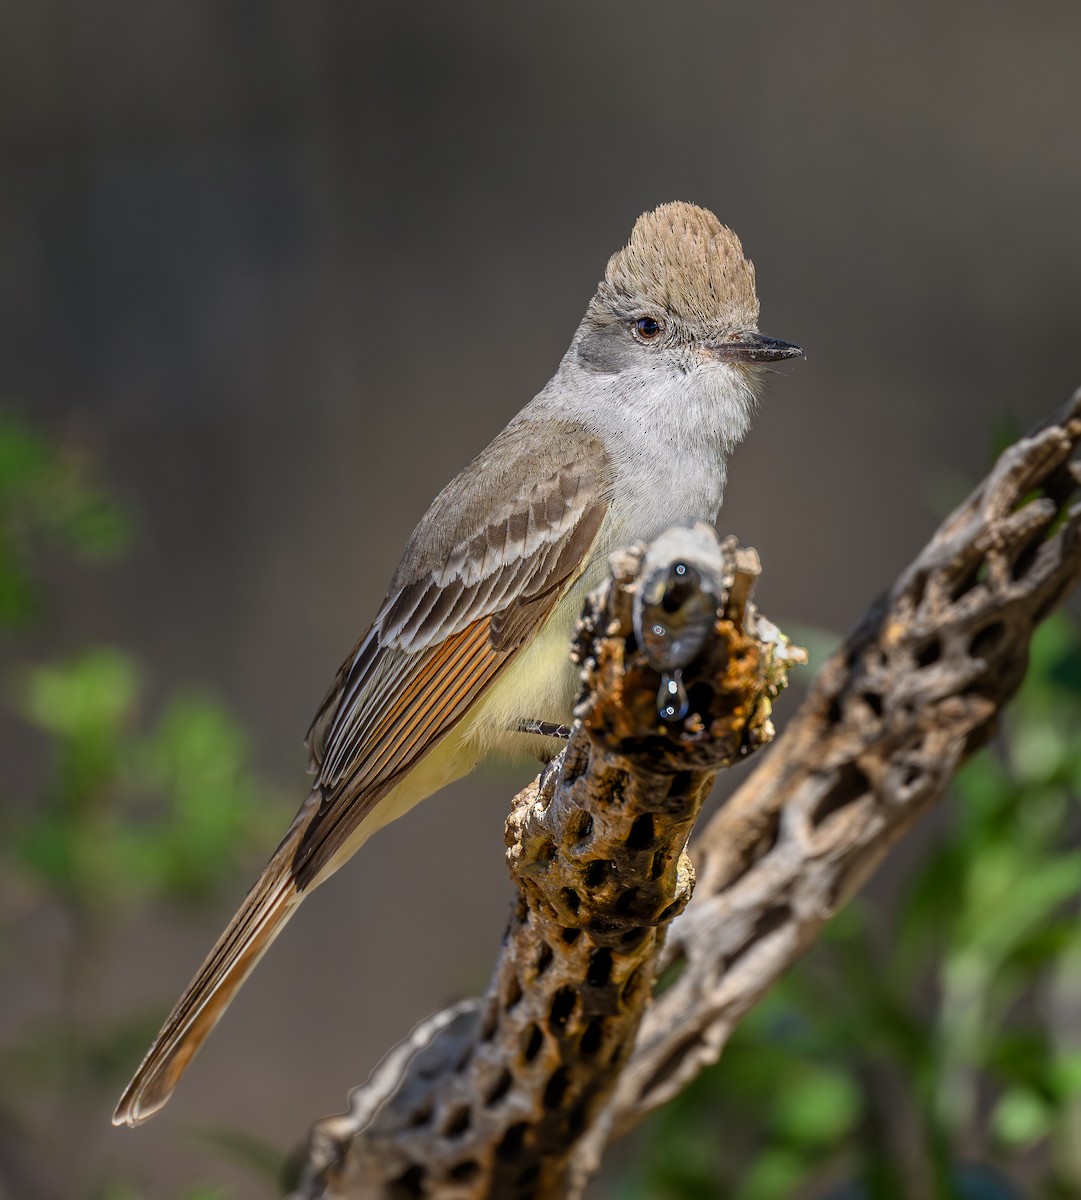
(648, 329)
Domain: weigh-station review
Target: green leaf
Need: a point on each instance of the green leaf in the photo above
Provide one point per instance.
(1016, 897)
(92, 696)
(775, 1175)
(1023, 1058)
(1021, 1119)
(24, 456)
(1039, 754)
(46, 499)
(816, 1107)
(1065, 1074)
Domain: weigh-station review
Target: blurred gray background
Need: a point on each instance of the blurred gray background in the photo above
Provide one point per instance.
(286, 267)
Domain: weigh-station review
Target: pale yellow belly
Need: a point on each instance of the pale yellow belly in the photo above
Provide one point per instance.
(540, 684)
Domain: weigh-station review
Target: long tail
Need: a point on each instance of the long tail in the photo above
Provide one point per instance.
(258, 922)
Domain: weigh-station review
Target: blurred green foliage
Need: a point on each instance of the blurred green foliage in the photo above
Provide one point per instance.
(47, 502)
(934, 1050)
(128, 814)
(130, 808)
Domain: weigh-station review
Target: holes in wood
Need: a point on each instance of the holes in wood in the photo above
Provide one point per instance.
(1040, 492)
(681, 782)
(988, 640)
(930, 652)
(599, 970)
(768, 922)
(631, 937)
(422, 1114)
(613, 788)
(1023, 562)
(555, 1089)
(532, 1040)
(544, 958)
(499, 1089)
(850, 785)
(510, 1145)
(514, 994)
(545, 853)
(656, 867)
(570, 935)
(593, 1035)
(596, 872)
(459, 1121)
(642, 833)
(910, 776)
(835, 713)
(576, 1121)
(526, 1182)
(465, 1171)
(581, 826)
(874, 702)
(977, 738)
(464, 1058)
(617, 1052)
(409, 1185)
(626, 902)
(669, 911)
(571, 899)
(977, 574)
(626, 992)
(700, 694)
(672, 1064)
(562, 1006)
(770, 831)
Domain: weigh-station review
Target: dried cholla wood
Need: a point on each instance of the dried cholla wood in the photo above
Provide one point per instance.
(914, 691)
(489, 1099)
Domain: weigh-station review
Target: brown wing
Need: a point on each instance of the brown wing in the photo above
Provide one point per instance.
(492, 557)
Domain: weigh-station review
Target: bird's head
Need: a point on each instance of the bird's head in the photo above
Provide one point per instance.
(679, 301)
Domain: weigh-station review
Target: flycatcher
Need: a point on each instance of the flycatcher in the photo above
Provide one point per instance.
(468, 653)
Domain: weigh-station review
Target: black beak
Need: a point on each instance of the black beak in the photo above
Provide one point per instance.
(749, 346)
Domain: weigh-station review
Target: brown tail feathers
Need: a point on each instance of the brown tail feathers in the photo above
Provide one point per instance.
(260, 919)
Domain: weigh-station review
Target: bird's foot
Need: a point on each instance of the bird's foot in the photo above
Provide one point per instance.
(545, 729)
(548, 729)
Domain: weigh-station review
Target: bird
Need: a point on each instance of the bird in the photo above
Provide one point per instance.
(468, 654)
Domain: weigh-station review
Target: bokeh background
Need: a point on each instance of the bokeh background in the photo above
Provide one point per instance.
(279, 270)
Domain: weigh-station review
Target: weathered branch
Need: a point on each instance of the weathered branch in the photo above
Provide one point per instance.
(913, 692)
